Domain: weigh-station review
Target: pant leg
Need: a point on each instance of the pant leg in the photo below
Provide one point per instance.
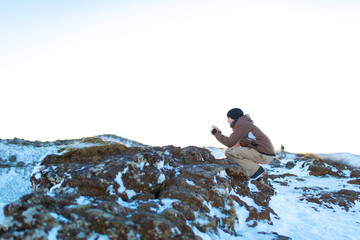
(247, 158)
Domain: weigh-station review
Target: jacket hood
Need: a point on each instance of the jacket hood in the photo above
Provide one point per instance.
(243, 118)
(246, 118)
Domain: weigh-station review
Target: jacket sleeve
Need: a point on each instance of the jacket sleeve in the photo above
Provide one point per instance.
(230, 141)
(241, 130)
(224, 139)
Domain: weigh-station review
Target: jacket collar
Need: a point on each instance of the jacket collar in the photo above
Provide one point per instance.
(233, 123)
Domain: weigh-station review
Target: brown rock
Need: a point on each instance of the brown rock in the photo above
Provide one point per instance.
(290, 165)
(355, 173)
(355, 181)
(343, 198)
(321, 168)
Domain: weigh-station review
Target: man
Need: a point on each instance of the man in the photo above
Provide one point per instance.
(248, 146)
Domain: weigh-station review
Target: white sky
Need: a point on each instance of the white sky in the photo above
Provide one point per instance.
(163, 72)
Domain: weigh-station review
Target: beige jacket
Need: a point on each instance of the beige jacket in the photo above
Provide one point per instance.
(246, 134)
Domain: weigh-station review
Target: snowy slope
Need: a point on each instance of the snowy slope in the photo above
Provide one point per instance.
(301, 219)
(17, 162)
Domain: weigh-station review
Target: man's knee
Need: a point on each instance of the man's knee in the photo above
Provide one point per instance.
(229, 153)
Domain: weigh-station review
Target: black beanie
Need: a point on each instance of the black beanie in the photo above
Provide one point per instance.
(235, 113)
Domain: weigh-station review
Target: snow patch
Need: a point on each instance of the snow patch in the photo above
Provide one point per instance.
(165, 203)
(83, 201)
(161, 178)
(60, 218)
(53, 188)
(217, 152)
(97, 236)
(36, 171)
(111, 190)
(52, 235)
(197, 232)
(119, 180)
(130, 193)
(168, 167)
(214, 212)
(160, 165)
(222, 173)
(190, 182)
(132, 205)
(175, 231)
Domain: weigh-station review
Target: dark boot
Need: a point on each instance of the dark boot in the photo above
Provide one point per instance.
(258, 174)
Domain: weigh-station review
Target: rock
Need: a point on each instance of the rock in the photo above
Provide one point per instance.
(275, 163)
(355, 181)
(275, 236)
(92, 140)
(108, 189)
(343, 198)
(275, 176)
(12, 158)
(2, 165)
(355, 173)
(290, 165)
(319, 167)
(236, 172)
(20, 164)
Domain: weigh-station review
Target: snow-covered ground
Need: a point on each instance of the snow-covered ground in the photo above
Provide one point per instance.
(15, 178)
(303, 220)
(296, 218)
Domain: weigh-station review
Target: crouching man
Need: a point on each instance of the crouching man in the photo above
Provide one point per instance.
(248, 146)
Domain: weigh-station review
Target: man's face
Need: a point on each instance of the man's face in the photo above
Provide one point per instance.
(230, 120)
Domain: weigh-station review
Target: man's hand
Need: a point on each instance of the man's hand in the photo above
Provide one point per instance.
(215, 129)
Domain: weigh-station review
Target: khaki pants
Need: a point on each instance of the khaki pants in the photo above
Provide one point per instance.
(247, 158)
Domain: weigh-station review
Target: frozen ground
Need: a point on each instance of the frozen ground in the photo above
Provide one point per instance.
(296, 218)
(20, 160)
(301, 219)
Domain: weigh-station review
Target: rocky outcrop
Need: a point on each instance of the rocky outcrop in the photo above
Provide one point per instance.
(320, 167)
(344, 198)
(355, 173)
(109, 189)
(98, 188)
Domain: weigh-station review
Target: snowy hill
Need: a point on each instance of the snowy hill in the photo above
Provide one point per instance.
(18, 158)
(317, 198)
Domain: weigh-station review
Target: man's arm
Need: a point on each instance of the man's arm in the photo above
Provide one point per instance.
(227, 141)
(233, 139)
